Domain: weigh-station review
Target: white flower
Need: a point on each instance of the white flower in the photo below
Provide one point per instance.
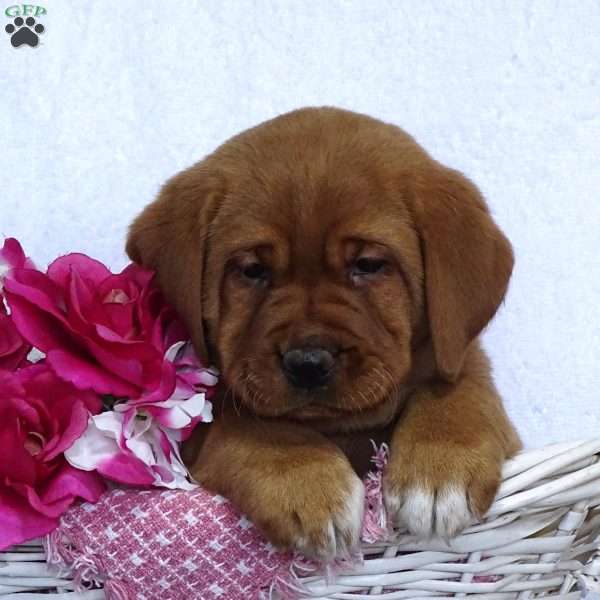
(130, 447)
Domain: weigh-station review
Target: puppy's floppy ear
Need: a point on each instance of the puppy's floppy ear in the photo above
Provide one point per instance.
(467, 260)
(170, 237)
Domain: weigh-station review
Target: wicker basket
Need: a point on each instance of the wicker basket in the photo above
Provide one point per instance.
(541, 539)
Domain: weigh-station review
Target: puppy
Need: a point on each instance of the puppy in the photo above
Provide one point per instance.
(339, 277)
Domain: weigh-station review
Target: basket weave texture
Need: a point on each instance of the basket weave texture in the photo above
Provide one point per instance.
(541, 539)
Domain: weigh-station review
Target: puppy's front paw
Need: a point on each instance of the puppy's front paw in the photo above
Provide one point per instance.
(438, 489)
(316, 509)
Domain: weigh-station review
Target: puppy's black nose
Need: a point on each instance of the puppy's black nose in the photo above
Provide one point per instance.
(308, 368)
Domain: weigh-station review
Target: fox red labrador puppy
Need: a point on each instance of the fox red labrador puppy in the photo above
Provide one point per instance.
(339, 277)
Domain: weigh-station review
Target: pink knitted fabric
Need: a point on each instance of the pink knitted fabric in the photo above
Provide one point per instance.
(147, 545)
(176, 545)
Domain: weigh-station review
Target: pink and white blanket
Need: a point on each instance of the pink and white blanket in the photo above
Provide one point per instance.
(176, 544)
(144, 545)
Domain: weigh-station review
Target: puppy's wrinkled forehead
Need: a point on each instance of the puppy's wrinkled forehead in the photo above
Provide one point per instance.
(304, 220)
(304, 187)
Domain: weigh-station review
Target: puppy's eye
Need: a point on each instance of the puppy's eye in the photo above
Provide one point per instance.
(255, 272)
(368, 266)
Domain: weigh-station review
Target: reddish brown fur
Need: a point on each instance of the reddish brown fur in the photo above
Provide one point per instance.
(306, 194)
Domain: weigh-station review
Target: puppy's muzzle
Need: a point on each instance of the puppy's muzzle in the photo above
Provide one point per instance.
(308, 368)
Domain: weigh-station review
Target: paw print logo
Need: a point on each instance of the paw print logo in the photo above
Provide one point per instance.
(24, 32)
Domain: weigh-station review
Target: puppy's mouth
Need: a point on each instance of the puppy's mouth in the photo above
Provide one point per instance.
(310, 407)
(314, 404)
(314, 411)
(334, 399)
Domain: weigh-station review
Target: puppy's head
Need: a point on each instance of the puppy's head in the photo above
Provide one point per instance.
(313, 255)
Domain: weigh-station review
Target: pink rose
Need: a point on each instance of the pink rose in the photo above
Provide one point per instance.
(105, 332)
(115, 335)
(13, 348)
(41, 417)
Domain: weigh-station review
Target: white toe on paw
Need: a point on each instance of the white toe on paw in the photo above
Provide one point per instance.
(425, 514)
(416, 512)
(348, 521)
(319, 546)
(339, 537)
(452, 512)
(393, 503)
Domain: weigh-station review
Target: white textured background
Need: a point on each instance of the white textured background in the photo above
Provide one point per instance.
(122, 94)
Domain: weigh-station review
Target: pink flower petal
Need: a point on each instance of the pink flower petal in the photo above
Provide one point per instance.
(183, 390)
(97, 444)
(59, 492)
(35, 287)
(131, 370)
(205, 417)
(209, 377)
(173, 329)
(20, 522)
(12, 254)
(13, 348)
(98, 449)
(70, 484)
(110, 335)
(165, 474)
(132, 274)
(75, 426)
(80, 299)
(12, 257)
(142, 277)
(60, 270)
(126, 469)
(171, 418)
(165, 444)
(40, 415)
(85, 375)
(17, 464)
(121, 319)
(175, 351)
(164, 389)
(40, 328)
